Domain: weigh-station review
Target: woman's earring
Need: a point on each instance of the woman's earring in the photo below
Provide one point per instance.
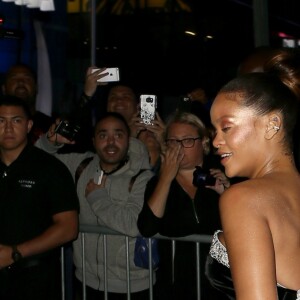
(276, 128)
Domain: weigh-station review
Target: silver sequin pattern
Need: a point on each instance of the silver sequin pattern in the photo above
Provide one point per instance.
(218, 251)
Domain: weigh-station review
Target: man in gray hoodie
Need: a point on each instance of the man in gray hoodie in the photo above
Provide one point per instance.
(112, 203)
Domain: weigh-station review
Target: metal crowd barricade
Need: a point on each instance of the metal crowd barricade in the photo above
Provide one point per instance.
(86, 229)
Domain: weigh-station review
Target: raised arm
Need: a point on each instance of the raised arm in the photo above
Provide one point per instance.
(169, 168)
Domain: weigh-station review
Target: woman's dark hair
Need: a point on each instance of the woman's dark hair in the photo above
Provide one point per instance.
(116, 116)
(285, 63)
(15, 101)
(265, 93)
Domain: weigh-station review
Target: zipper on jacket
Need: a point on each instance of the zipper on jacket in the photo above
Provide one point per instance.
(195, 212)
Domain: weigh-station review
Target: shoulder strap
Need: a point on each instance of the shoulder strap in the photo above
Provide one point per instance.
(81, 167)
(133, 178)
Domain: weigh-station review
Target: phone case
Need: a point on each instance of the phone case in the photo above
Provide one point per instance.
(148, 104)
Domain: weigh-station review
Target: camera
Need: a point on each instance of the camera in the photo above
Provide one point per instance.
(149, 100)
(67, 130)
(202, 178)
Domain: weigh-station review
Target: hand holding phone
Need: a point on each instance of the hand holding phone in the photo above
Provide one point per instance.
(112, 76)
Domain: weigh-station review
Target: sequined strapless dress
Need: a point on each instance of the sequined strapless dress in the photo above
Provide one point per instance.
(217, 271)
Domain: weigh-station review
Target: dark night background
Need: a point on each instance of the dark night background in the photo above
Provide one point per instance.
(149, 45)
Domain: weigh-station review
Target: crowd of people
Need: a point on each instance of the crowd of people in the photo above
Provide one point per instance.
(226, 167)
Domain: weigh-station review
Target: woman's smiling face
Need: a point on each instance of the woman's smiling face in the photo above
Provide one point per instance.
(239, 135)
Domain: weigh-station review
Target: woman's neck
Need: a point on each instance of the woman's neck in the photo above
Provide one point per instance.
(185, 180)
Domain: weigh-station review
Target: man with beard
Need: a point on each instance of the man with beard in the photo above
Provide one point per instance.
(20, 81)
(112, 202)
(121, 98)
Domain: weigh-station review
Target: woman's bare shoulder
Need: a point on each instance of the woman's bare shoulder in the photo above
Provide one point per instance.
(242, 190)
(248, 195)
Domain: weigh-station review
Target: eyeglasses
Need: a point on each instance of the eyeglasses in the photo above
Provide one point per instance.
(186, 143)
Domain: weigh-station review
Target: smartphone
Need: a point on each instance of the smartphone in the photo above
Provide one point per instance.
(148, 105)
(184, 104)
(98, 177)
(112, 76)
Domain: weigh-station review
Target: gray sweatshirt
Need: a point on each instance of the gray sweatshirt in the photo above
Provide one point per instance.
(113, 207)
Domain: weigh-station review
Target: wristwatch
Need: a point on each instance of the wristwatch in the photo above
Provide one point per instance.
(16, 255)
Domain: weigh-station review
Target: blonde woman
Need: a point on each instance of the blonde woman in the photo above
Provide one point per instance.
(179, 202)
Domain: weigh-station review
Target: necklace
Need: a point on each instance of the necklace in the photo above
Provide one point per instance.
(120, 165)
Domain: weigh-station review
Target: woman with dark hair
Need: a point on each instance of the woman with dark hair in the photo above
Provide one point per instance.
(256, 255)
(285, 63)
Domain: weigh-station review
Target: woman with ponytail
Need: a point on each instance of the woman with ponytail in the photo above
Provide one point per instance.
(256, 253)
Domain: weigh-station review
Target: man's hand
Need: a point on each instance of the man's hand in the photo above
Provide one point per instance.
(63, 229)
(56, 138)
(91, 185)
(91, 83)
